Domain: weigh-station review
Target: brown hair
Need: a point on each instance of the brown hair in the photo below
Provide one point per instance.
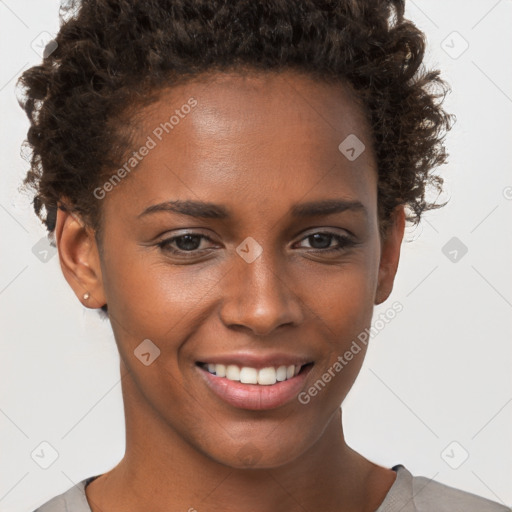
(112, 54)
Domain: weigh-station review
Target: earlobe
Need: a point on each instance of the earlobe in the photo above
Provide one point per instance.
(390, 255)
(79, 258)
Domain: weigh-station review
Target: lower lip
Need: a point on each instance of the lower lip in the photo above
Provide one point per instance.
(254, 396)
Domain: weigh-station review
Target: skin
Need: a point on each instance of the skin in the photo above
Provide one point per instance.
(256, 144)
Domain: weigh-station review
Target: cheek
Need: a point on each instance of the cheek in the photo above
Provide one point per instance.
(343, 309)
(342, 296)
(154, 298)
(165, 304)
(176, 306)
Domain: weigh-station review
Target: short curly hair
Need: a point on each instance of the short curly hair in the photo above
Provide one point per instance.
(113, 56)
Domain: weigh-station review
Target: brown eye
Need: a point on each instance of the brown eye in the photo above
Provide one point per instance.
(187, 243)
(322, 241)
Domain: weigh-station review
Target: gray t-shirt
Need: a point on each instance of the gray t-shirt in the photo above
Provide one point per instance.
(407, 494)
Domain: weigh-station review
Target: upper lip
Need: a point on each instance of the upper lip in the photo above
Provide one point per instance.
(257, 361)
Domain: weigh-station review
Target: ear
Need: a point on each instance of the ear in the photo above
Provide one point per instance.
(390, 254)
(79, 258)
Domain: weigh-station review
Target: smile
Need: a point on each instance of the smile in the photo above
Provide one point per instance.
(251, 388)
(247, 375)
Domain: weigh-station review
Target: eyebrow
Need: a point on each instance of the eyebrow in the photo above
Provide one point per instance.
(205, 210)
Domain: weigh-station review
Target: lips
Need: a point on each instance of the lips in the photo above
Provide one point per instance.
(254, 382)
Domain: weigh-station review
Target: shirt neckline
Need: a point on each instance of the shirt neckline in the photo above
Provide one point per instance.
(398, 495)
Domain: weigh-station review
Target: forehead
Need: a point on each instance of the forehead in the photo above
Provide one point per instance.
(229, 104)
(262, 138)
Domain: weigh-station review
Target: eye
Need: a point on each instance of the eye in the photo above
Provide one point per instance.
(321, 241)
(186, 243)
(190, 243)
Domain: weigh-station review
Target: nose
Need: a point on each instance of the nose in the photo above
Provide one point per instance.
(259, 297)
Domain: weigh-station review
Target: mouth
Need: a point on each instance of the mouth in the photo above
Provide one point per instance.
(267, 376)
(253, 388)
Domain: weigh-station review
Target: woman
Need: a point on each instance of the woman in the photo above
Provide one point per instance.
(229, 183)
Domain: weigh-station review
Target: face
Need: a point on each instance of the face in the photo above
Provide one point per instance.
(243, 238)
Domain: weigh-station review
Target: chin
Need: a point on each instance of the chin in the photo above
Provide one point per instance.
(257, 453)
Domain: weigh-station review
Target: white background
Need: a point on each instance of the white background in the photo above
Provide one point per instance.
(438, 373)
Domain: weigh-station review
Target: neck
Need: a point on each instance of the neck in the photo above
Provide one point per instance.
(162, 472)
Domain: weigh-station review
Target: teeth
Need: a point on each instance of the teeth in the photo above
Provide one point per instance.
(246, 375)
(281, 373)
(232, 372)
(267, 376)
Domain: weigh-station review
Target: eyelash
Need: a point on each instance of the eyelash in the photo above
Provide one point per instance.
(344, 243)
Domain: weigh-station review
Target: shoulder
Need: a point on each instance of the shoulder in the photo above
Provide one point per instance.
(72, 500)
(419, 494)
(432, 495)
